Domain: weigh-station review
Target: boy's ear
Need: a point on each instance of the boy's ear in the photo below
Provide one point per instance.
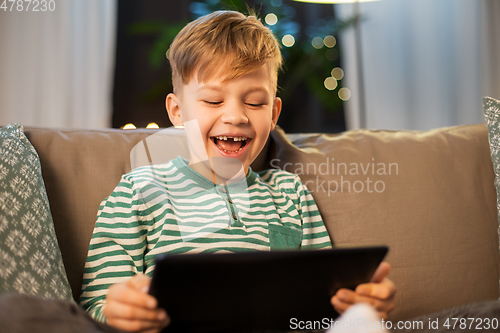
(276, 112)
(173, 109)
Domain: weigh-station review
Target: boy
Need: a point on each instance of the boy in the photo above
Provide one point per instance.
(224, 70)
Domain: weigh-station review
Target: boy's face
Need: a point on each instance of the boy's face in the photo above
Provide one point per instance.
(234, 116)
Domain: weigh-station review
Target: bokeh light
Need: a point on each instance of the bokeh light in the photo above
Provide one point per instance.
(344, 94)
(271, 19)
(332, 54)
(152, 125)
(330, 41)
(288, 40)
(317, 42)
(330, 83)
(338, 73)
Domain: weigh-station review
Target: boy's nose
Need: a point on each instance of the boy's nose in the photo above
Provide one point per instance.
(235, 115)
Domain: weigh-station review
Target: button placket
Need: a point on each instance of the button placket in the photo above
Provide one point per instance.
(234, 220)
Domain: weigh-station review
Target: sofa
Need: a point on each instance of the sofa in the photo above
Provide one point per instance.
(428, 195)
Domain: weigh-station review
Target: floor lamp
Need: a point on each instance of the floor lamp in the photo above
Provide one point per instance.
(359, 53)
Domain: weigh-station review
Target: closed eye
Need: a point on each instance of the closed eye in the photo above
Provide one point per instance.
(255, 105)
(213, 102)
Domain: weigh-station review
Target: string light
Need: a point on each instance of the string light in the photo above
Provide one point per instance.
(152, 125)
(129, 126)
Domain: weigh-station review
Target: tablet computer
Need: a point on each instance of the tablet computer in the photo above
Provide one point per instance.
(247, 291)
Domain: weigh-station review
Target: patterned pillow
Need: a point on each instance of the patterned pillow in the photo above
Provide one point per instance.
(30, 259)
(491, 108)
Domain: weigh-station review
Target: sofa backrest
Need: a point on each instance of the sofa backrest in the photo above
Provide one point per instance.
(428, 195)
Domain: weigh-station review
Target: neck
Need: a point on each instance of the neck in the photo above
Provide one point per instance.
(220, 170)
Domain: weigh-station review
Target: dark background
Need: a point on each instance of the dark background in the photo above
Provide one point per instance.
(140, 88)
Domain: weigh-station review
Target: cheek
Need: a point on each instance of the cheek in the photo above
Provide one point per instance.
(191, 110)
(201, 118)
(188, 114)
(264, 123)
(262, 127)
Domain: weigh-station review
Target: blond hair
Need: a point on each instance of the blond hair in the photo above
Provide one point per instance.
(223, 43)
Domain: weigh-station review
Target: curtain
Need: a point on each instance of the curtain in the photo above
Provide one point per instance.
(57, 67)
(426, 63)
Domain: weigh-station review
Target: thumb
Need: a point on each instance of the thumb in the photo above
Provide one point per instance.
(382, 271)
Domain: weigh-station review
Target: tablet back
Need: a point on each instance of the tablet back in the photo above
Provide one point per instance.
(257, 290)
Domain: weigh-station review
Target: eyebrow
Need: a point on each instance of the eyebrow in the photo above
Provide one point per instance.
(257, 89)
(210, 87)
(218, 88)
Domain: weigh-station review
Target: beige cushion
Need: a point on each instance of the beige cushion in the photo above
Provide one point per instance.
(437, 212)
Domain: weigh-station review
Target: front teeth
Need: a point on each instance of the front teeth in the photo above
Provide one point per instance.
(241, 138)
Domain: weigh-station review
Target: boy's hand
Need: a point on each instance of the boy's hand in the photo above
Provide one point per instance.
(129, 307)
(379, 292)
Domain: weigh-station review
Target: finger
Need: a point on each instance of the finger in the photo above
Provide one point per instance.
(346, 298)
(137, 325)
(155, 330)
(382, 308)
(339, 305)
(114, 309)
(382, 271)
(342, 300)
(384, 290)
(346, 295)
(125, 294)
(378, 304)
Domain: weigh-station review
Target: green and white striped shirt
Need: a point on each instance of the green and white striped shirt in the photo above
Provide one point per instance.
(170, 208)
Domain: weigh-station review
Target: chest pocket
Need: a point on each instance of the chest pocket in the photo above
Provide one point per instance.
(284, 238)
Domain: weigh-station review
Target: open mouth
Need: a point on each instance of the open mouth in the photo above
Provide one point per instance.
(230, 144)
